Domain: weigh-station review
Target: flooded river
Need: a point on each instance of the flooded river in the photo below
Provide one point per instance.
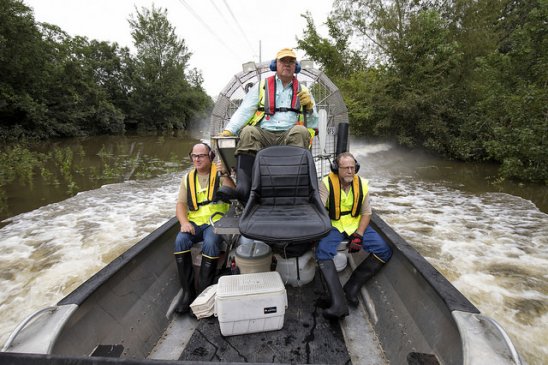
(489, 240)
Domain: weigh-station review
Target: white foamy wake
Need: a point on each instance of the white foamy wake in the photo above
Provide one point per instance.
(493, 247)
(46, 253)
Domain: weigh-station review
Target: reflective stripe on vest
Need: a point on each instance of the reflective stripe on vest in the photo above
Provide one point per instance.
(344, 208)
(267, 101)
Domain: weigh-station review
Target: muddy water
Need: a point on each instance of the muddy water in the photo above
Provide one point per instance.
(490, 241)
(60, 169)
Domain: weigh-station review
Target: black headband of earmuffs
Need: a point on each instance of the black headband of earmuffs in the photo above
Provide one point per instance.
(273, 66)
(210, 151)
(335, 165)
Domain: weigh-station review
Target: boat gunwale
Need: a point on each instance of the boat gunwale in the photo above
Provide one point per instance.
(450, 295)
(88, 287)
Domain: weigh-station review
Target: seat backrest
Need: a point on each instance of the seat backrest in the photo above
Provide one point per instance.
(284, 206)
(282, 176)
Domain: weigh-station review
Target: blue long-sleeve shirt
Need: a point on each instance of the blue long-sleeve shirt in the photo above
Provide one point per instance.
(280, 121)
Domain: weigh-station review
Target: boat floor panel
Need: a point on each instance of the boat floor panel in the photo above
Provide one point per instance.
(175, 338)
(306, 336)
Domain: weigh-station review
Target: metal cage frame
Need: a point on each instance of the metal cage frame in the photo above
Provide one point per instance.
(326, 95)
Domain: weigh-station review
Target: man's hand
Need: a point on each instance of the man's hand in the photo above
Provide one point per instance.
(187, 227)
(221, 168)
(306, 99)
(226, 133)
(355, 242)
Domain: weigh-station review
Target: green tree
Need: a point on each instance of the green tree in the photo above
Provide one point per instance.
(513, 109)
(77, 93)
(52, 84)
(22, 63)
(160, 94)
(466, 79)
(405, 90)
(335, 56)
(422, 85)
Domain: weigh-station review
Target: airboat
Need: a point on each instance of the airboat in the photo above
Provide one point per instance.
(409, 313)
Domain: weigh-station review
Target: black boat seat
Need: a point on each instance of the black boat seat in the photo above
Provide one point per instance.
(284, 206)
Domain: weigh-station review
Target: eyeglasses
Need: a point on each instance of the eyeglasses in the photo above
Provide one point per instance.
(287, 61)
(351, 168)
(196, 157)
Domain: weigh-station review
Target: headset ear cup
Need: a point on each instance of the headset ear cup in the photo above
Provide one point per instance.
(334, 167)
(357, 166)
(211, 152)
(273, 66)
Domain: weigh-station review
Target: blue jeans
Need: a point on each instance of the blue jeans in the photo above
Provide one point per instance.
(211, 241)
(372, 242)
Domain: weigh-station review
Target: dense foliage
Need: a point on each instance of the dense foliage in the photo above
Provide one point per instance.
(55, 85)
(466, 79)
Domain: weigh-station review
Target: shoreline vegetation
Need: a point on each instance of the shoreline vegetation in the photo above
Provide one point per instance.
(464, 80)
(36, 174)
(39, 173)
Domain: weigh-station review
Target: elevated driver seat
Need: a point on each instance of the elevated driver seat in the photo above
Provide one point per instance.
(284, 207)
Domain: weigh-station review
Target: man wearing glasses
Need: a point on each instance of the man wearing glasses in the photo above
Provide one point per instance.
(195, 206)
(276, 111)
(346, 196)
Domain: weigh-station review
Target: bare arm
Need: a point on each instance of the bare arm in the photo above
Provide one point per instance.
(225, 180)
(181, 209)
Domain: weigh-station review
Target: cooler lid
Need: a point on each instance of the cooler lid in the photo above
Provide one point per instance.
(255, 249)
(250, 284)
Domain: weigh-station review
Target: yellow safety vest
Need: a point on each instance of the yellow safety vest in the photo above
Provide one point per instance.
(344, 208)
(199, 201)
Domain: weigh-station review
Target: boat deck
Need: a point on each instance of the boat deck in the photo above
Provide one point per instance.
(306, 337)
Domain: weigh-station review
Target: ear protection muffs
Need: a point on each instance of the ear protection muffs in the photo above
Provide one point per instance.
(273, 66)
(335, 166)
(210, 151)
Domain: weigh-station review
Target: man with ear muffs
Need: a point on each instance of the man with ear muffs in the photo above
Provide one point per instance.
(346, 197)
(276, 111)
(195, 206)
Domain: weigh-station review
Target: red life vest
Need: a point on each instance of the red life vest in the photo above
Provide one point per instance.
(269, 100)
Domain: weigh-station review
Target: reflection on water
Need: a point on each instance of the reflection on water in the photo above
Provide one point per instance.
(492, 244)
(44, 173)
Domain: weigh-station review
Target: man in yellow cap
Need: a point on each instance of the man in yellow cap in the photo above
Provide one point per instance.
(276, 111)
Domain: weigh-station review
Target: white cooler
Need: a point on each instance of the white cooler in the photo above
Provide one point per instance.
(250, 303)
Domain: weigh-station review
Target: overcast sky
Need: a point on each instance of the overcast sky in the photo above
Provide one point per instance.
(220, 34)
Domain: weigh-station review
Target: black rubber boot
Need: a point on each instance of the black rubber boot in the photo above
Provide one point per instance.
(243, 181)
(207, 272)
(365, 271)
(338, 308)
(186, 277)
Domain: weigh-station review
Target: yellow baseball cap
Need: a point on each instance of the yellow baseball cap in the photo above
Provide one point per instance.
(286, 52)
